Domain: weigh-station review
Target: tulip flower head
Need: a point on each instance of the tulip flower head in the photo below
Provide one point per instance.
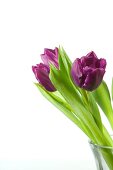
(42, 70)
(88, 71)
(50, 56)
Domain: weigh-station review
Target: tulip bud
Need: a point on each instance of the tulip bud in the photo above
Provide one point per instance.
(88, 71)
(50, 56)
(41, 72)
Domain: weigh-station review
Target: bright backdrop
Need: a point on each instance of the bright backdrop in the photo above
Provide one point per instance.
(33, 131)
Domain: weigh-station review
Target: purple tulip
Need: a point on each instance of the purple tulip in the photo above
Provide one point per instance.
(41, 72)
(88, 71)
(50, 56)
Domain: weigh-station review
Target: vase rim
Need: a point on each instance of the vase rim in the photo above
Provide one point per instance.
(100, 146)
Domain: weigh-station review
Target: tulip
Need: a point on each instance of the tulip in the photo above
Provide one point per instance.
(50, 56)
(41, 72)
(88, 71)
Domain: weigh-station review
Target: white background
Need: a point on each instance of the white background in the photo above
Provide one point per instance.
(33, 133)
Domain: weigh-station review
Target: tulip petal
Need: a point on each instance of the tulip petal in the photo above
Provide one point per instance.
(41, 72)
(50, 56)
(76, 72)
(88, 71)
(89, 60)
(44, 58)
(103, 63)
(93, 79)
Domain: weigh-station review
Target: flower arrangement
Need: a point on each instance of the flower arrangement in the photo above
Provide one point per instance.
(78, 90)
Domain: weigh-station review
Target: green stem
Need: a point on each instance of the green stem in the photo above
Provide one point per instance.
(107, 137)
(110, 118)
(88, 132)
(108, 157)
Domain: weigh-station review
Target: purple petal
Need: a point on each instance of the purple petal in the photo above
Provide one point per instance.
(88, 71)
(50, 56)
(45, 59)
(103, 63)
(93, 79)
(56, 53)
(92, 54)
(76, 72)
(46, 50)
(41, 72)
(89, 60)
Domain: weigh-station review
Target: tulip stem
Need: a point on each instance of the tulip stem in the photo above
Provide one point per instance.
(110, 118)
(85, 96)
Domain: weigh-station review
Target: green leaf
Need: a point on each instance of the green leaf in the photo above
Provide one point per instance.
(106, 89)
(102, 97)
(70, 93)
(65, 64)
(58, 102)
(66, 60)
(94, 110)
(61, 81)
(65, 70)
(112, 89)
(64, 107)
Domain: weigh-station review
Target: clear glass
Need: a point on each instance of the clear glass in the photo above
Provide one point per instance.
(103, 156)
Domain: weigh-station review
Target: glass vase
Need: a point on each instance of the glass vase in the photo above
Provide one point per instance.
(103, 156)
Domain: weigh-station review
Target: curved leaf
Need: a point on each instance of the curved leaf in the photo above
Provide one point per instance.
(102, 97)
(65, 108)
(112, 89)
(62, 83)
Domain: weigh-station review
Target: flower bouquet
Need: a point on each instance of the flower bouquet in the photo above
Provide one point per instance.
(79, 91)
